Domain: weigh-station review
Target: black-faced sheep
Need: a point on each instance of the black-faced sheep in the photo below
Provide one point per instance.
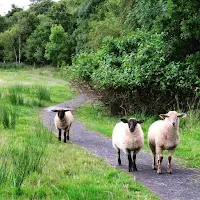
(63, 121)
(129, 137)
(164, 135)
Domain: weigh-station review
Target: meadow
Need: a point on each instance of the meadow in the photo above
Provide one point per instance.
(33, 164)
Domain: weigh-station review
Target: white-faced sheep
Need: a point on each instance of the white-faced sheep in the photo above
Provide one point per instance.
(129, 137)
(164, 135)
(63, 121)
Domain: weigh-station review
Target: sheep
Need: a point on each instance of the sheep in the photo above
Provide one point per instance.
(164, 135)
(63, 121)
(128, 136)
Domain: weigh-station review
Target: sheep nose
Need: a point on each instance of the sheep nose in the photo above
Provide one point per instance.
(173, 123)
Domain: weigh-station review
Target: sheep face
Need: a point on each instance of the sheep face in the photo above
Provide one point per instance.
(61, 113)
(172, 117)
(132, 123)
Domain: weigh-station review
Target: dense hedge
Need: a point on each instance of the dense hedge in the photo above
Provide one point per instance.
(134, 73)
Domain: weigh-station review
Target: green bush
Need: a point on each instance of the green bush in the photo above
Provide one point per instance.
(136, 69)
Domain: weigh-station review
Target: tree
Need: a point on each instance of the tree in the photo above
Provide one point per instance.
(14, 9)
(41, 7)
(11, 40)
(59, 48)
(3, 23)
(60, 14)
(35, 1)
(36, 42)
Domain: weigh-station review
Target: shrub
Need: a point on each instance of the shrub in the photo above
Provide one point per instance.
(135, 72)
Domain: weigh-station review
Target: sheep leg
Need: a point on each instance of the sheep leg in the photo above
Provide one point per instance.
(169, 167)
(119, 159)
(153, 150)
(68, 132)
(160, 158)
(134, 163)
(130, 162)
(59, 134)
(65, 136)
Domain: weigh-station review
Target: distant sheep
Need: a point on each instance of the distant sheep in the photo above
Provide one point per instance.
(129, 137)
(63, 121)
(164, 135)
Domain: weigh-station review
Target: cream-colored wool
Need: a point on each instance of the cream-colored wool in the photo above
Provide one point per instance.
(123, 139)
(164, 135)
(65, 122)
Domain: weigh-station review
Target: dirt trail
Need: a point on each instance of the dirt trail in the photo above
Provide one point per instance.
(183, 184)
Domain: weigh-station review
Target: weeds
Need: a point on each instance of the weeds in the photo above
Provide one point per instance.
(4, 170)
(19, 160)
(9, 116)
(43, 93)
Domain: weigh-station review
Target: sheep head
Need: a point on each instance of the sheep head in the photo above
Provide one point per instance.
(61, 112)
(172, 117)
(132, 122)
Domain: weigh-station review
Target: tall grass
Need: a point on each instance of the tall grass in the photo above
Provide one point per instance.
(9, 115)
(28, 95)
(20, 159)
(4, 169)
(43, 93)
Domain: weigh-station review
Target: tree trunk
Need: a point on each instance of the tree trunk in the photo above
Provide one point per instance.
(19, 57)
(15, 54)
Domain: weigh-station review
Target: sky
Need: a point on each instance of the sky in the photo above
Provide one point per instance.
(5, 5)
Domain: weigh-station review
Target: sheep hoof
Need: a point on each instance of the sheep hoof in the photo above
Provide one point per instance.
(135, 169)
(169, 172)
(159, 172)
(130, 170)
(119, 162)
(154, 167)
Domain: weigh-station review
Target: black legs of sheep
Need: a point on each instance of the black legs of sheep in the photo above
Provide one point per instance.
(66, 135)
(131, 162)
(119, 159)
(59, 134)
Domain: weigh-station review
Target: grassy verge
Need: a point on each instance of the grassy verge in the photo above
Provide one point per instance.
(187, 152)
(34, 165)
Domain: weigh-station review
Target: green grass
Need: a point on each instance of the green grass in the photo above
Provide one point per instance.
(34, 165)
(187, 152)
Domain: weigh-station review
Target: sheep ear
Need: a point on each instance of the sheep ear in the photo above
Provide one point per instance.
(140, 121)
(182, 115)
(163, 116)
(68, 109)
(54, 110)
(65, 110)
(124, 120)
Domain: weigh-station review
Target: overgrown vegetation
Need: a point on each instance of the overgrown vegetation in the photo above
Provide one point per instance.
(34, 165)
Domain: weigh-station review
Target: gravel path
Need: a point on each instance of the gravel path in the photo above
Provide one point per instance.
(183, 184)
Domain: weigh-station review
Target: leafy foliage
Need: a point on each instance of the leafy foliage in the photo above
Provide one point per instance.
(58, 49)
(136, 69)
